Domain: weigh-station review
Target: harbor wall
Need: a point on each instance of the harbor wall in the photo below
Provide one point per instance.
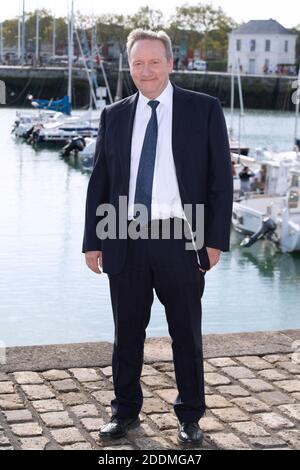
(259, 92)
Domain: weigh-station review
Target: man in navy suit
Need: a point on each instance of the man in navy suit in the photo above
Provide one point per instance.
(162, 149)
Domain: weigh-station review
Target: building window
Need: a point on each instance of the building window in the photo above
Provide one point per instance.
(286, 45)
(252, 45)
(238, 44)
(268, 45)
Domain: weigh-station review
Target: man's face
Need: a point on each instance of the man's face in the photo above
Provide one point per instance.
(149, 67)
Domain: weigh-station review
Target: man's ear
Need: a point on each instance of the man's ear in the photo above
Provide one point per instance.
(170, 64)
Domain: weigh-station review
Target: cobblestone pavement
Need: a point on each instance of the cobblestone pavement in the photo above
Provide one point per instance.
(253, 402)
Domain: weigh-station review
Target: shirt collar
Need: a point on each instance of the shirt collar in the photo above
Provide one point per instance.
(164, 98)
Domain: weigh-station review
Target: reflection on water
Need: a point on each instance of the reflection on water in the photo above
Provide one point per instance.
(267, 259)
(49, 296)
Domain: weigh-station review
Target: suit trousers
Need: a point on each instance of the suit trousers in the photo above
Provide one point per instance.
(168, 268)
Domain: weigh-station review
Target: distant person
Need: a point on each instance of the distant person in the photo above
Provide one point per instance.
(245, 176)
(262, 178)
(184, 63)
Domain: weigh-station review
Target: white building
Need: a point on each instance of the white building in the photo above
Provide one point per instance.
(262, 46)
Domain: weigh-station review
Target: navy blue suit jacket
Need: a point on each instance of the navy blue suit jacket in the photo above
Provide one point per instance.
(202, 161)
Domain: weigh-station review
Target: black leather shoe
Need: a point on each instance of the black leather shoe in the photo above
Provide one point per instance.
(189, 433)
(118, 427)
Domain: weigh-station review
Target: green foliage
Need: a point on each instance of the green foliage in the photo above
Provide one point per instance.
(10, 29)
(200, 26)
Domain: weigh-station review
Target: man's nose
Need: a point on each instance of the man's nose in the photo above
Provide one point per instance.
(146, 72)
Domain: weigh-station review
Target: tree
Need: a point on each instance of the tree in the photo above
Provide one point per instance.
(10, 29)
(201, 22)
(199, 26)
(112, 26)
(146, 18)
(10, 32)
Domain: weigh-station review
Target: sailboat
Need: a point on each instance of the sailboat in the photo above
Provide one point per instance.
(294, 153)
(235, 144)
(62, 126)
(271, 216)
(274, 214)
(47, 110)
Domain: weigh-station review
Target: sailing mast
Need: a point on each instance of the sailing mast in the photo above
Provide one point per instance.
(37, 37)
(23, 36)
(241, 113)
(297, 110)
(70, 50)
(53, 34)
(19, 38)
(231, 103)
(120, 79)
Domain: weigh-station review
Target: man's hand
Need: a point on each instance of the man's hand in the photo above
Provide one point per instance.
(213, 256)
(94, 259)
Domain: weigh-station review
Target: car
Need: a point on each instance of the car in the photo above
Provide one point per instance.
(200, 65)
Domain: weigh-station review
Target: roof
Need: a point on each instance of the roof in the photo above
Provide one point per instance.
(262, 27)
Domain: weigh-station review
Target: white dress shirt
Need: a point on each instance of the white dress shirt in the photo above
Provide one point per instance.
(166, 200)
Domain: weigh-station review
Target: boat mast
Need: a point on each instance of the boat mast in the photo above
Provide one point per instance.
(231, 102)
(53, 34)
(120, 79)
(297, 108)
(104, 76)
(241, 113)
(23, 35)
(19, 38)
(86, 69)
(70, 50)
(37, 34)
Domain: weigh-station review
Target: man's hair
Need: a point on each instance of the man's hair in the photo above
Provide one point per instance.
(140, 34)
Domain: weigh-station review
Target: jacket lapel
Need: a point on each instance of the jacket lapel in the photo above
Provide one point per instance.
(125, 136)
(180, 97)
(179, 132)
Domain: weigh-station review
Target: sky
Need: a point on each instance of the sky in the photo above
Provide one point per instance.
(284, 12)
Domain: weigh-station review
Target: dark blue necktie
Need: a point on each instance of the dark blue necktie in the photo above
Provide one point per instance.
(144, 181)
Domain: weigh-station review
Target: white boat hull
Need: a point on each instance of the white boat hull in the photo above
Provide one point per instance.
(248, 215)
